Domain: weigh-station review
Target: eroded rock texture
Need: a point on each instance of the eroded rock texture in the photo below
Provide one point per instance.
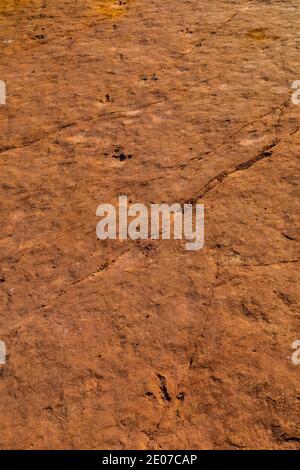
(123, 344)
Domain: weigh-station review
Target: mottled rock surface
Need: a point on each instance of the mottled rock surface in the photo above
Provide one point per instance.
(123, 344)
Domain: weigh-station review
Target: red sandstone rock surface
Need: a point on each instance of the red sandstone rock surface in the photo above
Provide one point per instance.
(123, 344)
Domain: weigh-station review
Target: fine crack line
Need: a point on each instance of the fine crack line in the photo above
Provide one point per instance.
(181, 166)
(201, 41)
(210, 300)
(276, 263)
(218, 179)
(278, 108)
(103, 268)
(106, 116)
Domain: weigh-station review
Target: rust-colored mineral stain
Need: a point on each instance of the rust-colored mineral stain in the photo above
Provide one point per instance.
(111, 8)
(258, 34)
(7, 6)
